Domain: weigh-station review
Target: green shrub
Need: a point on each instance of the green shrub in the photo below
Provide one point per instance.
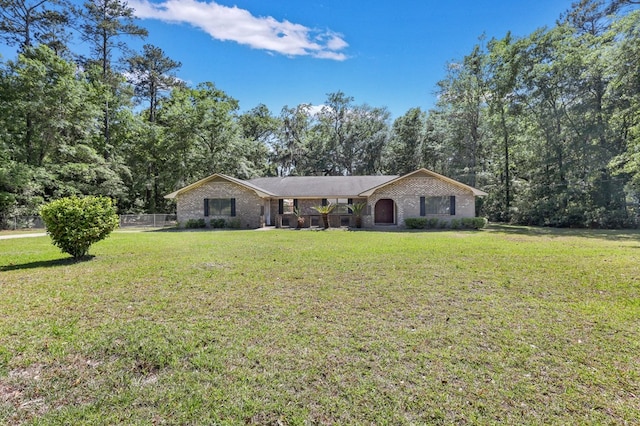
(474, 222)
(75, 223)
(415, 222)
(195, 223)
(235, 223)
(433, 223)
(218, 223)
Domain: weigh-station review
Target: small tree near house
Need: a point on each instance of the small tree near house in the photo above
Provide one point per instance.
(299, 218)
(74, 223)
(324, 212)
(357, 210)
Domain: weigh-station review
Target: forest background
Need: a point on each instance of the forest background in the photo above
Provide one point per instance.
(548, 124)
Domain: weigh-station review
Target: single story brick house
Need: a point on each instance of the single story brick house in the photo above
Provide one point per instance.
(270, 201)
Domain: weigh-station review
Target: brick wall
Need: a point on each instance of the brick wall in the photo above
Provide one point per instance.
(248, 205)
(406, 195)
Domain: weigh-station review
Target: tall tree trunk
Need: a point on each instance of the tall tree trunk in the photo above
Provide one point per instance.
(507, 178)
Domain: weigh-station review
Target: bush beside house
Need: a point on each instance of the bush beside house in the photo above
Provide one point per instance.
(436, 223)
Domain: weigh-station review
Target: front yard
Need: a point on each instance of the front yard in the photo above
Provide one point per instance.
(501, 326)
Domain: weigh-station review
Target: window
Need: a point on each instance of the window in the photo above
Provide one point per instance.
(340, 203)
(219, 206)
(286, 205)
(438, 205)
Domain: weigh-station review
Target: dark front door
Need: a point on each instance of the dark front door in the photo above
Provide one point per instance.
(384, 211)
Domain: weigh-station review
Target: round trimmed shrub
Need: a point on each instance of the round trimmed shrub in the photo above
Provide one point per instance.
(75, 223)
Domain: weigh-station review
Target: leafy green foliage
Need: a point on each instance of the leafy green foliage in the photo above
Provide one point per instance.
(74, 224)
(468, 223)
(218, 223)
(434, 223)
(195, 224)
(407, 141)
(325, 211)
(545, 123)
(29, 23)
(474, 222)
(234, 223)
(152, 73)
(357, 208)
(423, 223)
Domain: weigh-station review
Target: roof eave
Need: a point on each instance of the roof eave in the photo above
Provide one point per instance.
(475, 191)
(259, 191)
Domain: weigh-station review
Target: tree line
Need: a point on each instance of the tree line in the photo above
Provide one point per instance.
(547, 124)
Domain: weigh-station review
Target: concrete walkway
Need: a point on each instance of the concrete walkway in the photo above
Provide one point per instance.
(10, 237)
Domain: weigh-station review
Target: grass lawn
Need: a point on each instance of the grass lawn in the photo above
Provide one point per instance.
(501, 326)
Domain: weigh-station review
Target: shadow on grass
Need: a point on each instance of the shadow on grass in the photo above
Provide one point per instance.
(46, 263)
(605, 234)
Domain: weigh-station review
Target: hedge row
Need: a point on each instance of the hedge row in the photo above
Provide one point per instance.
(435, 223)
(214, 223)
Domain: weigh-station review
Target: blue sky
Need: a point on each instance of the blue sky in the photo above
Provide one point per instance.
(284, 52)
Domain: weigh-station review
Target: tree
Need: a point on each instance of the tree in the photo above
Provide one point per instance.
(74, 224)
(624, 64)
(358, 210)
(26, 23)
(615, 6)
(106, 22)
(14, 179)
(462, 101)
(325, 211)
(152, 73)
(291, 144)
(259, 129)
(48, 127)
(407, 139)
(48, 109)
(348, 139)
(503, 69)
(436, 149)
(258, 124)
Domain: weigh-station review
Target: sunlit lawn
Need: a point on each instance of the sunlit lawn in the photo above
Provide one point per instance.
(501, 326)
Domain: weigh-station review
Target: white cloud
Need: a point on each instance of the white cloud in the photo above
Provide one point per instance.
(239, 25)
(314, 110)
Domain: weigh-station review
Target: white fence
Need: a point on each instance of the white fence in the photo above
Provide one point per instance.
(126, 220)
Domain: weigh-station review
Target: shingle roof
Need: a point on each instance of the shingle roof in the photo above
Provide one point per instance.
(260, 191)
(319, 186)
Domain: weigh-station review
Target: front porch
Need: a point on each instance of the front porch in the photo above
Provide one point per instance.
(289, 220)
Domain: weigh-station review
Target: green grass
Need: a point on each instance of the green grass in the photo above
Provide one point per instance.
(501, 326)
